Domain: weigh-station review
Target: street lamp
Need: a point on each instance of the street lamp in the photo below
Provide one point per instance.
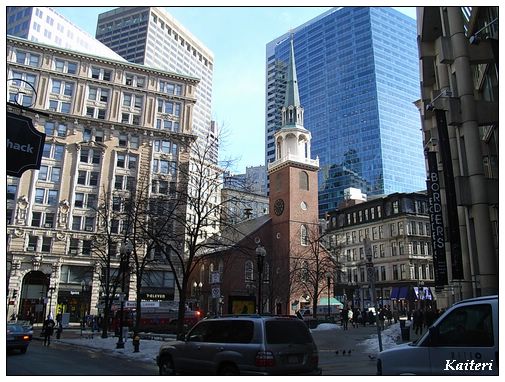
(51, 290)
(260, 253)
(84, 289)
(328, 279)
(197, 287)
(125, 251)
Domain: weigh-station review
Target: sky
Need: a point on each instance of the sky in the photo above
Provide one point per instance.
(237, 36)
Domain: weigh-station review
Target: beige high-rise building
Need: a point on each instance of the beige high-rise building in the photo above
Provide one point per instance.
(108, 124)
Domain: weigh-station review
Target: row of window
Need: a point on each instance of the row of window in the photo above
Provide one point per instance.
(396, 248)
(395, 229)
(397, 272)
(95, 72)
(44, 244)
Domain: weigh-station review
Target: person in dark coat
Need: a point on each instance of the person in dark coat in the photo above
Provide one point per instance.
(417, 319)
(345, 317)
(48, 330)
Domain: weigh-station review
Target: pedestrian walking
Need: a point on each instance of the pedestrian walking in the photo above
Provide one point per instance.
(350, 315)
(382, 318)
(345, 317)
(59, 326)
(418, 318)
(48, 329)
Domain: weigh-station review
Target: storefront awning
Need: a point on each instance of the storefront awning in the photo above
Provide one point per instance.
(333, 301)
(394, 293)
(403, 292)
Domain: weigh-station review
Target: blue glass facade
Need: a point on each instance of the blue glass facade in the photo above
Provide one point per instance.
(358, 77)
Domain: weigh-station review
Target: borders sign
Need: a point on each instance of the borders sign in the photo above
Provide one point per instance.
(24, 145)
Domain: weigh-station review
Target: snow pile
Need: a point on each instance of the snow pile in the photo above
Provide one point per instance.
(390, 338)
(148, 348)
(326, 326)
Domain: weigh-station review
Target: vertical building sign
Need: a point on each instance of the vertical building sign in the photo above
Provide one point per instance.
(450, 196)
(436, 221)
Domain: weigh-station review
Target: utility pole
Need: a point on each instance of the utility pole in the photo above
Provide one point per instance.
(371, 279)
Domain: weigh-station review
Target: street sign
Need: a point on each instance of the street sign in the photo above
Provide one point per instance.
(24, 145)
(215, 277)
(370, 273)
(216, 292)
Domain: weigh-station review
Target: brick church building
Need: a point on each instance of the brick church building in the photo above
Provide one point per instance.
(266, 264)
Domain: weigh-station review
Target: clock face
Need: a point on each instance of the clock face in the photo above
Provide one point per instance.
(279, 207)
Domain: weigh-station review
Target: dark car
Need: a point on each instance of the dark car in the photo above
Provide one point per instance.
(18, 337)
(243, 345)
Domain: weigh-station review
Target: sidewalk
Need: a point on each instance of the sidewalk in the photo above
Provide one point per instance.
(358, 362)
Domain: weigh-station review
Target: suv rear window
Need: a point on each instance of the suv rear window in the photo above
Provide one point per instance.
(287, 332)
(222, 331)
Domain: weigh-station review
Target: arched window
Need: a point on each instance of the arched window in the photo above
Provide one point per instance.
(304, 235)
(305, 271)
(249, 271)
(266, 272)
(211, 269)
(279, 154)
(304, 180)
(202, 272)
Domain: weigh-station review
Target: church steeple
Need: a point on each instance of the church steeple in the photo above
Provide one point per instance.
(292, 112)
(292, 95)
(292, 140)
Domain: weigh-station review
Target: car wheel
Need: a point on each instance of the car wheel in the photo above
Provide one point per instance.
(228, 369)
(23, 350)
(167, 366)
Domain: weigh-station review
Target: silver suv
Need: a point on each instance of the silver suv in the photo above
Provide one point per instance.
(243, 345)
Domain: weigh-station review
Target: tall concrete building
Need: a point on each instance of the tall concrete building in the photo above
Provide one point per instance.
(458, 49)
(152, 37)
(45, 25)
(358, 73)
(102, 124)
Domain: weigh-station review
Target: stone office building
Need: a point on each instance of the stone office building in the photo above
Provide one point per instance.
(107, 124)
(398, 226)
(458, 58)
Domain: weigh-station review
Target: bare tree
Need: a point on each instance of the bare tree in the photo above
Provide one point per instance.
(312, 265)
(190, 218)
(105, 244)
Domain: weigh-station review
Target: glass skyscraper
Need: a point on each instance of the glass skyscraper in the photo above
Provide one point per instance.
(358, 79)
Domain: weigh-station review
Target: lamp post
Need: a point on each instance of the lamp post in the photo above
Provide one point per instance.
(125, 251)
(84, 289)
(197, 287)
(328, 279)
(51, 290)
(260, 253)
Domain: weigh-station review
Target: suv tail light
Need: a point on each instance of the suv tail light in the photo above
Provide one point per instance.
(265, 359)
(314, 359)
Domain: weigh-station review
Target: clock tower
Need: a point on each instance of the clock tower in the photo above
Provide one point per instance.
(293, 185)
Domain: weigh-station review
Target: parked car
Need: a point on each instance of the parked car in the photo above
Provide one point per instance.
(243, 345)
(18, 337)
(464, 340)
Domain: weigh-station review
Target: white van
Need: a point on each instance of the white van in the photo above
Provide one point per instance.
(463, 341)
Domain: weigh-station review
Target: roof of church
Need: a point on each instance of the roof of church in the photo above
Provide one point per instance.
(231, 236)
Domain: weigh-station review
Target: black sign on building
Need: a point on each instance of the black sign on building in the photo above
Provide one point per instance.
(450, 196)
(24, 145)
(436, 221)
